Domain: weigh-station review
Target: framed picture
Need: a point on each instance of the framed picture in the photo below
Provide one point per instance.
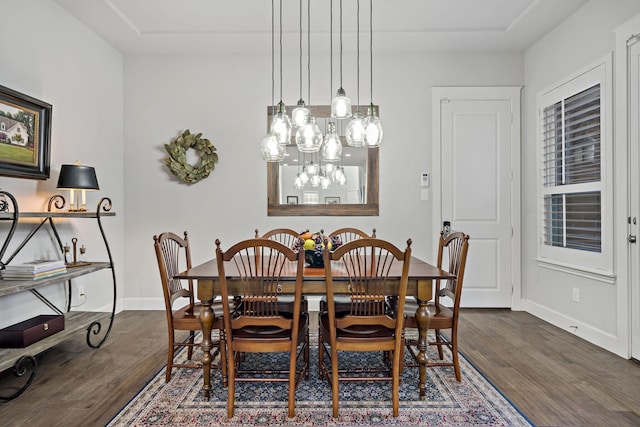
(292, 200)
(25, 134)
(332, 200)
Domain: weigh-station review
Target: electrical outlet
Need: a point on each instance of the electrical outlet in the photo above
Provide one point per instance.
(81, 292)
(576, 295)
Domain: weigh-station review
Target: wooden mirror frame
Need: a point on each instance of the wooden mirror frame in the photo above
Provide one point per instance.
(370, 208)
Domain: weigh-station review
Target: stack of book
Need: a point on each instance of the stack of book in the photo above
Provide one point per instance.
(34, 270)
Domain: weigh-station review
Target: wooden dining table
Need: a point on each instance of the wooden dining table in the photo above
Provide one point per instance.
(421, 277)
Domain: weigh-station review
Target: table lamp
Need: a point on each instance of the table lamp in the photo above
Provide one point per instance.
(77, 177)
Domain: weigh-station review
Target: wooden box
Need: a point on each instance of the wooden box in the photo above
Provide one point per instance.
(30, 331)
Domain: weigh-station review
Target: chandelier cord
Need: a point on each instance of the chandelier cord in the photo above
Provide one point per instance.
(340, 43)
(273, 80)
(280, 50)
(330, 48)
(309, 52)
(371, 47)
(300, 67)
(358, 55)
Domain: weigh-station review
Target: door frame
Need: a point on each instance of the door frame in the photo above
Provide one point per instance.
(489, 93)
(626, 181)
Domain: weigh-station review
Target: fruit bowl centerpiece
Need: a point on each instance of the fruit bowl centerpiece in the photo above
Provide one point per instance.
(313, 245)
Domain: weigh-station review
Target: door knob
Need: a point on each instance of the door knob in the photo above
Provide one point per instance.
(631, 238)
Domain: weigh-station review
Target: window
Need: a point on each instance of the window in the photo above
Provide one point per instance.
(574, 188)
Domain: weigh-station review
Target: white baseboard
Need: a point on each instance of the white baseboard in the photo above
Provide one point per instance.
(587, 332)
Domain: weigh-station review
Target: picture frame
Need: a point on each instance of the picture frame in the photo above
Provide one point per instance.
(332, 200)
(25, 135)
(292, 200)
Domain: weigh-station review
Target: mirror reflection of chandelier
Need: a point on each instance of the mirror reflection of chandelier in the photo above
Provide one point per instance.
(324, 152)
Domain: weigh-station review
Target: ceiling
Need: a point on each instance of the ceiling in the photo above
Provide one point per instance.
(138, 27)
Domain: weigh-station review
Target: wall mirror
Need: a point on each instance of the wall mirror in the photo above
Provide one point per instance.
(357, 197)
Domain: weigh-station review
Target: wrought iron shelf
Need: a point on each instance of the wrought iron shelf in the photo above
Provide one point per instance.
(25, 362)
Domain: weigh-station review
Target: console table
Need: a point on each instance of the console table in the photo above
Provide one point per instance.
(23, 359)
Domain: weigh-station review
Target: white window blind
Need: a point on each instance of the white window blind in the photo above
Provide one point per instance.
(571, 172)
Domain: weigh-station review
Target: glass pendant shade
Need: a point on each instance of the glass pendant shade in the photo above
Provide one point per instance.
(341, 105)
(324, 182)
(329, 169)
(340, 177)
(354, 132)
(299, 114)
(281, 125)
(271, 149)
(315, 181)
(297, 182)
(304, 177)
(312, 169)
(309, 137)
(372, 128)
(332, 147)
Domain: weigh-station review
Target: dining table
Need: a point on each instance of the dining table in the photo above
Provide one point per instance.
(420, 284)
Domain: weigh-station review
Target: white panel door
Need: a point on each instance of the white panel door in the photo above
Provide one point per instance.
(634, 185)
(476, 144)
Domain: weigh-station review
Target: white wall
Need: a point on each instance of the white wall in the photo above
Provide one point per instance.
(582, 39)
(225, 97)
(49, 55)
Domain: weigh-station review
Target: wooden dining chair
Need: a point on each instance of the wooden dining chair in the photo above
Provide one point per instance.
(348, 234)
(174, 256)
(369, 325)
(343, 235)
(257, 325)
(288, 237)
(445, 308)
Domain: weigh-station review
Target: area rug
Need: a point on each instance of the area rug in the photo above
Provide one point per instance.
(472, 402)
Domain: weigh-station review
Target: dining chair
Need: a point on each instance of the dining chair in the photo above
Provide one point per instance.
(348, 234)
(343, 235)
(174, 256)
(288, 237)
(445, 309)
(285, 236)
(257, 325)
(369, 325)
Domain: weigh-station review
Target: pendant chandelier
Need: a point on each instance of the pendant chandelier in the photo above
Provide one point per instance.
(342, 125)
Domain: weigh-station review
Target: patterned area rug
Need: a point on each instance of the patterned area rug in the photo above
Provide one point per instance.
(471, 402)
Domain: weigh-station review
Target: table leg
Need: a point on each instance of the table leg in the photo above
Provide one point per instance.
(422, 319)
(206, 321)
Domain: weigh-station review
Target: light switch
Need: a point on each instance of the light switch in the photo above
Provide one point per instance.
(424, 180)
(424, 194)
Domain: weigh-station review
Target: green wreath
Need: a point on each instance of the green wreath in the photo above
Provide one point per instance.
(177, 160)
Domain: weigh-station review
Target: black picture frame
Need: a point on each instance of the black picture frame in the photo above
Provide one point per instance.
(25, 135)
(292, 200)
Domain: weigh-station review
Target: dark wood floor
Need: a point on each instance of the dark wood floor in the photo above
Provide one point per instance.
(554, 378)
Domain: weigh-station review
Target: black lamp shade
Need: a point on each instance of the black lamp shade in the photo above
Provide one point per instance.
(78, 177)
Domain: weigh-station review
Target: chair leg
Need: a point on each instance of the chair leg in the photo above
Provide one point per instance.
(440, 343)
(192, 337)
(320, 355)
(169, 357)
(292, 380)
(231, 388)
(454, 353)
(306, 357)
(396, 382)
(334, 381)
(223, 360)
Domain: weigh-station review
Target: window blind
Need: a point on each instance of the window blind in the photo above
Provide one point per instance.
(571, 137)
